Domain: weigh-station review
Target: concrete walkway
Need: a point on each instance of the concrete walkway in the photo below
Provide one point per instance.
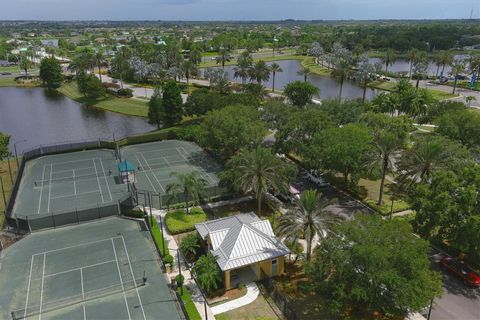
(249, 297)
(190, 283)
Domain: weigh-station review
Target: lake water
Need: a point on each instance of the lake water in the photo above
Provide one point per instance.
(329, 87)
(44, 118)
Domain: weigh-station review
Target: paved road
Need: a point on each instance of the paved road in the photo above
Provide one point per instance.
(458, 301)
(461, 91)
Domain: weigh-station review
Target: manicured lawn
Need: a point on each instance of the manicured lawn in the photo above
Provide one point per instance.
(158, 236)
(390, 86)
(7, 185)
(7, 82)
(10, 69)
(259, 309)
(309, 62)
(179, 221)
(371, 191)
(128, 106)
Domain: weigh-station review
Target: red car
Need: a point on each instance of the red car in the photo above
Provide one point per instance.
(461, 270)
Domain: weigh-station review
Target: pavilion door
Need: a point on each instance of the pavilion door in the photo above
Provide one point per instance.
(274, 268)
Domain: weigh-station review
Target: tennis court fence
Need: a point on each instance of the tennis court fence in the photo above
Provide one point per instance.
(65, 217)
(76, 299)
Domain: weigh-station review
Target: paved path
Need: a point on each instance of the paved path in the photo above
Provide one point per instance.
(252, 294)
(191, 285)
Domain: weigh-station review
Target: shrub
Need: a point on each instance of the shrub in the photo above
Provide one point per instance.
(125, 93)
(168, 259)
(112, 85)
(133, 213)
(179, 222)
(179, 279)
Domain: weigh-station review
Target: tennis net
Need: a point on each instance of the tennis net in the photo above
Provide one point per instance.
(40, 183)
(76, 299)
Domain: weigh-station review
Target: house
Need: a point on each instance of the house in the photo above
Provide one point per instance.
(52, 43)
(244, 245)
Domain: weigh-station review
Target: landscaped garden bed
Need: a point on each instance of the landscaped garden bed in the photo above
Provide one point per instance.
(179, 221)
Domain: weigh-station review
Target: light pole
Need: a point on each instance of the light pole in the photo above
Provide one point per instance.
(179, 265)
(430, 310)
(15, 148)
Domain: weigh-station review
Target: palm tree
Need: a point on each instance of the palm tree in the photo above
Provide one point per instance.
(208, 273)
(309, 219)
(189, 245)
(224, 56)
(458, 67)
(100, 62)
(412, 57)
(191, 185)
(365, 73)
(258, 170)
(25, 64)
(304, 71)
(386, 145)
(342, 69)
(469, 100)
(189, 68)
(260, 72)
(420, 70)
(445, 59)
(244, 64)
(388, 58)
(422, 160)
(274, 68)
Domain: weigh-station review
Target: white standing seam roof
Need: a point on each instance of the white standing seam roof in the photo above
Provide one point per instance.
(241, 240)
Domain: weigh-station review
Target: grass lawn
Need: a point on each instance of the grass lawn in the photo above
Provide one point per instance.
(179, 221)
(7, 82)
(189, 305)
(128, 106)
(259, 309)
(371, 189)
(7, 185)
(10, 69)
(309, 62)
(390, 86)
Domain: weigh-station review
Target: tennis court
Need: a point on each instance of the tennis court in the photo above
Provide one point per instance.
(157, 160)
(92, 271)
(63, 182)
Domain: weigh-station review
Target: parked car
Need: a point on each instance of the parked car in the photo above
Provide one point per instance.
(316, 177)
(6, 73)
(461, 270)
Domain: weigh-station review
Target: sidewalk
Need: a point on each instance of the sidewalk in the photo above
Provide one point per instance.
(194, 290)
(249, 297)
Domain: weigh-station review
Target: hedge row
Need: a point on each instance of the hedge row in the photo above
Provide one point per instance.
(158, 237)
(189, 305)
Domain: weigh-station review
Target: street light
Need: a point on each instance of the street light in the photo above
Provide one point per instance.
(15, 148)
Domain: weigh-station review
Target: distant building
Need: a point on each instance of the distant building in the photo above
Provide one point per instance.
(52, 43)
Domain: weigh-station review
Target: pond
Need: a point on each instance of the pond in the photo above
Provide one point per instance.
(40, 117)
(329, 87)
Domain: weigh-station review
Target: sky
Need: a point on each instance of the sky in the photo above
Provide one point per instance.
(236, 9)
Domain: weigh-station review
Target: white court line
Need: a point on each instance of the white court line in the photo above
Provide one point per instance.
(146, 175)
(28, 289)
(71, 161)
(76, 269)
(74, 183)
(133, 277)
(41, 292)
(78, 245)
(73, 195)
(98, 181)
(153, 173)
(41, 191)
(83, 293)
(68, 170)
(105, 176)
(121, 281)
(157, 150)
(49, 187)
(201, 173)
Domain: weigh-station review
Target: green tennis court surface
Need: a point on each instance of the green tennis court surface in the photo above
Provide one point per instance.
(90, 271)
(63, 182)
(157, 160)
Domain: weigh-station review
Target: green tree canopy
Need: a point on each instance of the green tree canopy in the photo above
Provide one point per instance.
(203, 100)
(172, 103)
(156, 112)
(341, 149)
(51, 73)
(374, 265)
(90, 85)
(227, 130)
(300, 93)
(4, 141)
(462, 126)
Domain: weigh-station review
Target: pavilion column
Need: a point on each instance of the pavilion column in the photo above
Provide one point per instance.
(227, 279)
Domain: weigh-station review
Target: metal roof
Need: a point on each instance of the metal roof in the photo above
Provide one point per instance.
(241, 240)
